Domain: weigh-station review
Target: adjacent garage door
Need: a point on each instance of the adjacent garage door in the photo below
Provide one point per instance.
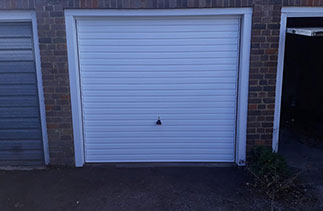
(159, 89)
(20, 130)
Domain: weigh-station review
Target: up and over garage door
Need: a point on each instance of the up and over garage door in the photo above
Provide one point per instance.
(20, 124)
(159, 89)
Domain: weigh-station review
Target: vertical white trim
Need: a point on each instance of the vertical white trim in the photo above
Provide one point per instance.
(279, 81)
(30, 16)
(75, 88)
(286, 12)
(40, 89)
(246, 25)
(73, 64)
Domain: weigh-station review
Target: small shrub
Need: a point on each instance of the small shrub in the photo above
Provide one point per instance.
(272, 174)
(269, 166)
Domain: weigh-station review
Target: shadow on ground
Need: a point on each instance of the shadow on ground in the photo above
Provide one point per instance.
(303, 157)
(100, 188)
(109, 188)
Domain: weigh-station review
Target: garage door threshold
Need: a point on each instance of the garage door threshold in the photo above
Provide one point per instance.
(22, 168)
(150, 165)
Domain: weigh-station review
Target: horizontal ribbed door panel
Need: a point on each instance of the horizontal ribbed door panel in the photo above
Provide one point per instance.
(181, 69)
(20, 128)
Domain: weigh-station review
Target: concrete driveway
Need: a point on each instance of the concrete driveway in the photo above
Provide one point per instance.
(305, 158)
(110, 188)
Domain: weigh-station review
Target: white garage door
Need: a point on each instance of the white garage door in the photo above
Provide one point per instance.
(181, 70)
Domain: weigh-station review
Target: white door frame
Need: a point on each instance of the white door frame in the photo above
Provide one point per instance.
(242, 108)
(287, 12)
(30, 16)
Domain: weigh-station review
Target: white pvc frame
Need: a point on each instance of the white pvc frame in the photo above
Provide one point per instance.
(287, 12)
(30, 16)
(73, 64)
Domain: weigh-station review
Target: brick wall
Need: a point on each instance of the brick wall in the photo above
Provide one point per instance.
(52, 39)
